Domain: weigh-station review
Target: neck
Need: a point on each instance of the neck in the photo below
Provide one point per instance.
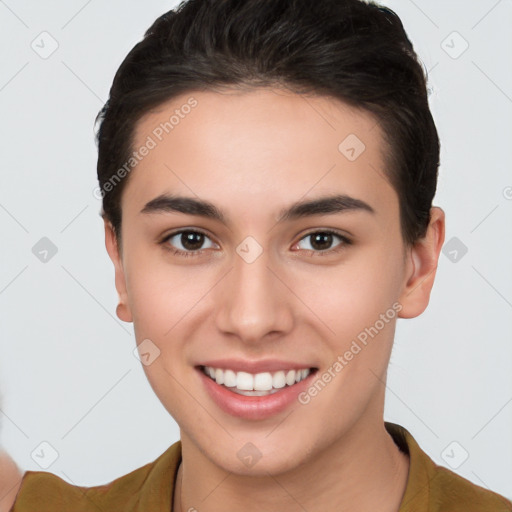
(363, 471)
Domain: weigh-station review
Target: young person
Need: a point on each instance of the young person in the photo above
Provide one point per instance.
(267, 169)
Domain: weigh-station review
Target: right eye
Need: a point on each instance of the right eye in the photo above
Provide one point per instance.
(187, 242)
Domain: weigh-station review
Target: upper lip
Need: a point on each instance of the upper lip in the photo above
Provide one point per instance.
(265, 365)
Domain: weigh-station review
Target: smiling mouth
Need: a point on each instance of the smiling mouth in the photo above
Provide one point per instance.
(256, 384)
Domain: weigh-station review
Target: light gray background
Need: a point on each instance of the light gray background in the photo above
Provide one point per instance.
(68, 376)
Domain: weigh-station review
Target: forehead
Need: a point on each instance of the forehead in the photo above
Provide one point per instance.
(261, 148)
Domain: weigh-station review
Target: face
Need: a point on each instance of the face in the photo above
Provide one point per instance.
(283, 267)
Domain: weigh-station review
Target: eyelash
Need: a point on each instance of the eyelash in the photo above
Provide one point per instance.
(178, 252)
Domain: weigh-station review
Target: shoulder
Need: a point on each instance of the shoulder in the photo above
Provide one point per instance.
(144, 488)
(451, 492)
(434, 488)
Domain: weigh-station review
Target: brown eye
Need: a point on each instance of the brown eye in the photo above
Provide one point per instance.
(322, 242)
(188, 241)
(191, 240)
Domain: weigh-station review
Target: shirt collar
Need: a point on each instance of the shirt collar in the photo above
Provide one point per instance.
(159, 494)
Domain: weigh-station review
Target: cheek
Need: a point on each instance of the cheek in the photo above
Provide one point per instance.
(161, 293)
(353, 295)
(358, 304)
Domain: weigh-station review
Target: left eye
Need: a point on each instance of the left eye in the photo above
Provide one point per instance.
(322, 241)
(189, 241)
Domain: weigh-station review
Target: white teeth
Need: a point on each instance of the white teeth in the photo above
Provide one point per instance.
(258, 384)
(262, 381)
(244, 381)
(219, 376)
(278, 380)
(253, 392)
(290, 377)
(230, 378)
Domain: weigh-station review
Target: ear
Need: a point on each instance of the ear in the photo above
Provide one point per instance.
(422, 260)
(111, 243)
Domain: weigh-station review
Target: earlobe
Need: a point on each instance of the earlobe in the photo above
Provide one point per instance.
(111, 243)
(123, 312)
(422, 264)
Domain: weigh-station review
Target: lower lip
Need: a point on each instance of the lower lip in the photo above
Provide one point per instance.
(254, 407)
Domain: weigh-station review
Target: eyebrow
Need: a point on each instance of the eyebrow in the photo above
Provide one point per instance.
(339, 203)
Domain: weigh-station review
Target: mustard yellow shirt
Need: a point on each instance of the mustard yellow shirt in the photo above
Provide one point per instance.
(430, 488)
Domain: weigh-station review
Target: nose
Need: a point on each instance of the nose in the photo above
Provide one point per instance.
(253, 303)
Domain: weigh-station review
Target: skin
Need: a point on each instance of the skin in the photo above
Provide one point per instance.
(253, 153)
(10, 481)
